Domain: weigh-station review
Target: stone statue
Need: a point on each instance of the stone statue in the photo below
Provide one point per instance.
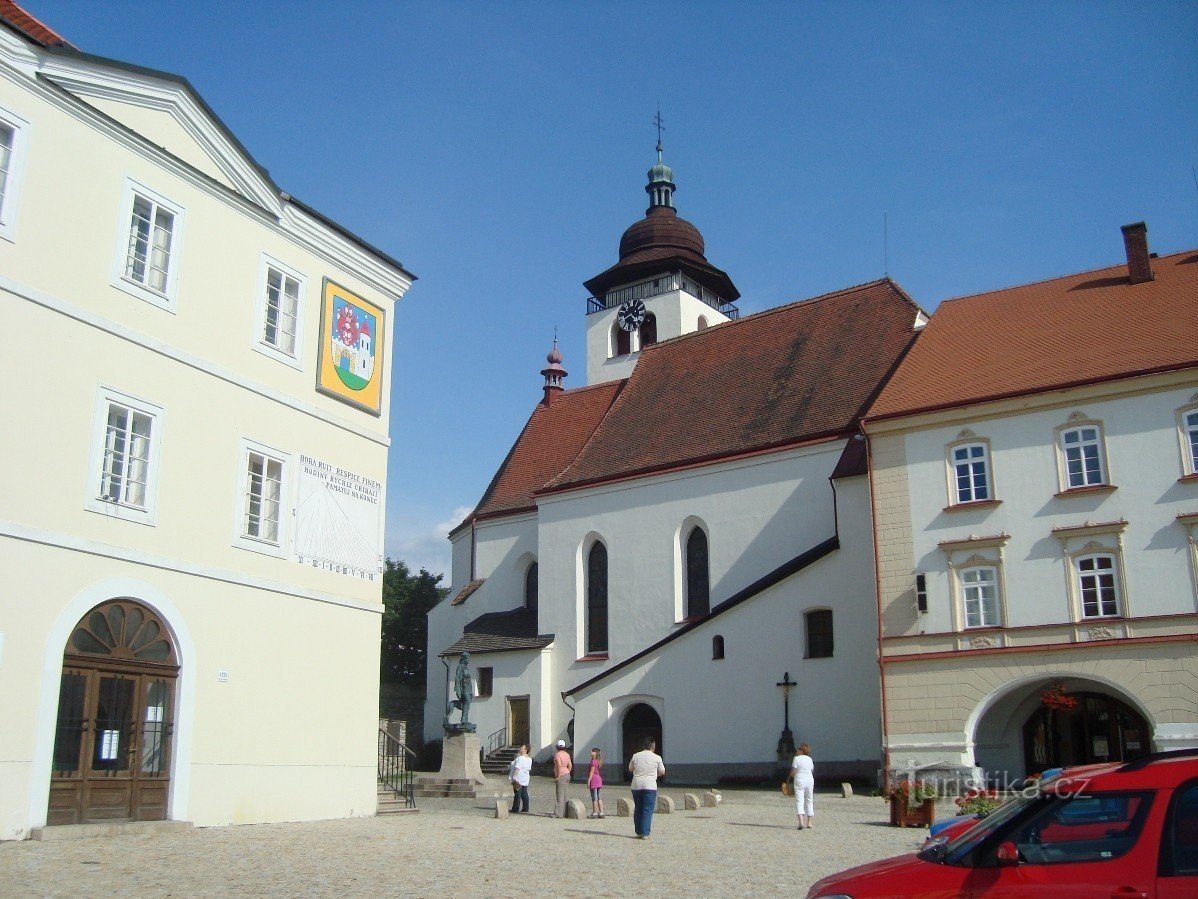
(463, 687)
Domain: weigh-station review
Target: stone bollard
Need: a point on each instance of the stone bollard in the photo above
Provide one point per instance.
(574, 809)
(623, 807)
(711, 799)
(691, 801)
(846, 790)
(501, 809)
(665, 805)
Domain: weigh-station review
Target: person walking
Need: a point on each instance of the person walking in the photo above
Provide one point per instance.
(802, 772)
(646, 766)
(563, 767)
(518, 773)
(595, 783)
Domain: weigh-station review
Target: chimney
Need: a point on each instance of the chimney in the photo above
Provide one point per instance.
(1139, 263)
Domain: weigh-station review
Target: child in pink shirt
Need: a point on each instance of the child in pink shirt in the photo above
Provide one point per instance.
(595, 782)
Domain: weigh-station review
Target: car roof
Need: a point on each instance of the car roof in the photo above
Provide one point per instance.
(1153, 773)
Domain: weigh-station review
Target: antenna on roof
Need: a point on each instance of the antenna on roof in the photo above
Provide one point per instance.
(885, 245)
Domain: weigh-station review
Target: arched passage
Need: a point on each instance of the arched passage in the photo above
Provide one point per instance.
(1022, 730)
(640, 721)
(116, 711)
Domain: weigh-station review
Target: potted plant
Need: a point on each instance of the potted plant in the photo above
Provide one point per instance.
(912, 803)
(978, 802)
(1057, 699)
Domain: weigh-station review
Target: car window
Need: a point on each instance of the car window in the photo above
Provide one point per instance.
(1089, 828)
(1182, 838)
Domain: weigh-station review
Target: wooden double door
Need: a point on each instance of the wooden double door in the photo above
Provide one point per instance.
(115, 721)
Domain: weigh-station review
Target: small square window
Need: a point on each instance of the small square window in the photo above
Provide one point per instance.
(486, 681)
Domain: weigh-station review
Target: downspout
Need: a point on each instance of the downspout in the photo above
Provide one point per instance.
(446, 664)
(873, 508)
(572, 712)
(473, 554)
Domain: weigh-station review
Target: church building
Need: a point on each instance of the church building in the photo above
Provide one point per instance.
(683, 547)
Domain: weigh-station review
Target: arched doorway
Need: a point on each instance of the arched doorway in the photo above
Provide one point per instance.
(1097, 728)
(115, 718)
(640, 721)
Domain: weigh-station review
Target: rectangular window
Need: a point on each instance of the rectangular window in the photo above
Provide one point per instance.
(282, 305)
(127, 435)
(263, 497)
(8, 140)
(486, 681)
(1082, 450)
(1098, 585)
(979, 590)
(819, 634)
(14, 133)
(970, 473)
(1190, 438)
(148, 258)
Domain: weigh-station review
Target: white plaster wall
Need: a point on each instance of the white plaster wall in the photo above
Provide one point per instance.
(1144, 463)
(729, 712)
(759, 514)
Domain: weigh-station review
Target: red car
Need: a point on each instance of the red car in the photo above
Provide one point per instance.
(1118, 830)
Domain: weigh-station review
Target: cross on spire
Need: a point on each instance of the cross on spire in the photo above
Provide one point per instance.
(657, 120)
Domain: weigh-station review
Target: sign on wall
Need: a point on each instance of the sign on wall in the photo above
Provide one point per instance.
(350, 360)
(337, 519)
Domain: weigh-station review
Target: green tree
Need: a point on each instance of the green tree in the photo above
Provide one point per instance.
(407, 599)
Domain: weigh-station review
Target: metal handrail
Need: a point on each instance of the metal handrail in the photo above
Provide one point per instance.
(394, 769)
(496, 741)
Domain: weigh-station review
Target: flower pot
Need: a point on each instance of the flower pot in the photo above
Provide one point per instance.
(903, 815)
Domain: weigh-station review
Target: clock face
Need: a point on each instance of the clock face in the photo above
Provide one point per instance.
(631, 314)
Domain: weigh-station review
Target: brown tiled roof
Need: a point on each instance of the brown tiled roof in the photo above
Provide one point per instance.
(508, 631)
(36, 31)
(550, 440)
(853, 461)
(1083, 328)
(778, 378)
(464, 593)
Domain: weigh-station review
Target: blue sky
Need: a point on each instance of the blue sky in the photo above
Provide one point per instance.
(499, 151)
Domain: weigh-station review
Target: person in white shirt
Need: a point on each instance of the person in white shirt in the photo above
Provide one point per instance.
(646, 766)
(802, 772)
(518, 772)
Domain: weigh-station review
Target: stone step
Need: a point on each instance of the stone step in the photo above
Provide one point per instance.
(393, 806)
(106, 829)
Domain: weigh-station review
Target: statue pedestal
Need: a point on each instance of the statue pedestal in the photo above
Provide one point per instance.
(459, 758)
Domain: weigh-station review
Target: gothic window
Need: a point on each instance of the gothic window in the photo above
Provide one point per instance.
(649, 330)
(819, 633)
(596, 636)
(530, 587)
(698, 596)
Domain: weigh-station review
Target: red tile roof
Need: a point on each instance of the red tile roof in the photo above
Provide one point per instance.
(775, 379)
(1078, 329)
(549, 442)
(42, 34)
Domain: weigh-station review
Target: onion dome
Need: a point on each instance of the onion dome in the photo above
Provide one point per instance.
(553, 373)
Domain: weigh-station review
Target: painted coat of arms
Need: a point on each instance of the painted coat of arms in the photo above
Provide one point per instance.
(351, 348)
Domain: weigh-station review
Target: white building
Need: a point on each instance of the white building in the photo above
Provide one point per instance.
(164, 652)
(660, 549)
(1035, 472)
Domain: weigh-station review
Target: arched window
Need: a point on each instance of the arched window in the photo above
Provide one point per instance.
(530, 587)
(596, 641)
(717, 647)
(621, 340)
(698, 594)
(702, 323)
(649, 330)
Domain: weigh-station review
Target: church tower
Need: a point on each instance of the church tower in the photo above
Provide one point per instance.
(662, 286)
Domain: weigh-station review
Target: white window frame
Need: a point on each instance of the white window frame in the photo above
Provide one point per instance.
(1085, 568)
(258, 339)
(10, 196)
(1077, 424)
(117, 507)
(1084, 541)
(1187, 435)
(972, 552)
(118, 279)
(973, 589)
(280, 546)
(954, 489)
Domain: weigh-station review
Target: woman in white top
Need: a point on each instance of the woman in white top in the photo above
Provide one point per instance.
(802, 772)
(518, 772)
(646, 766)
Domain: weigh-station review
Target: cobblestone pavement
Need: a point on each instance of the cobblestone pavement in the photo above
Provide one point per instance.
(748, 846)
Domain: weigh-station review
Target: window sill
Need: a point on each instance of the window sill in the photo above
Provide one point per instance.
(975, 504)
(1188, 479)
(828, 656)
(593, 657)
(689, 619)
(1084, 491)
